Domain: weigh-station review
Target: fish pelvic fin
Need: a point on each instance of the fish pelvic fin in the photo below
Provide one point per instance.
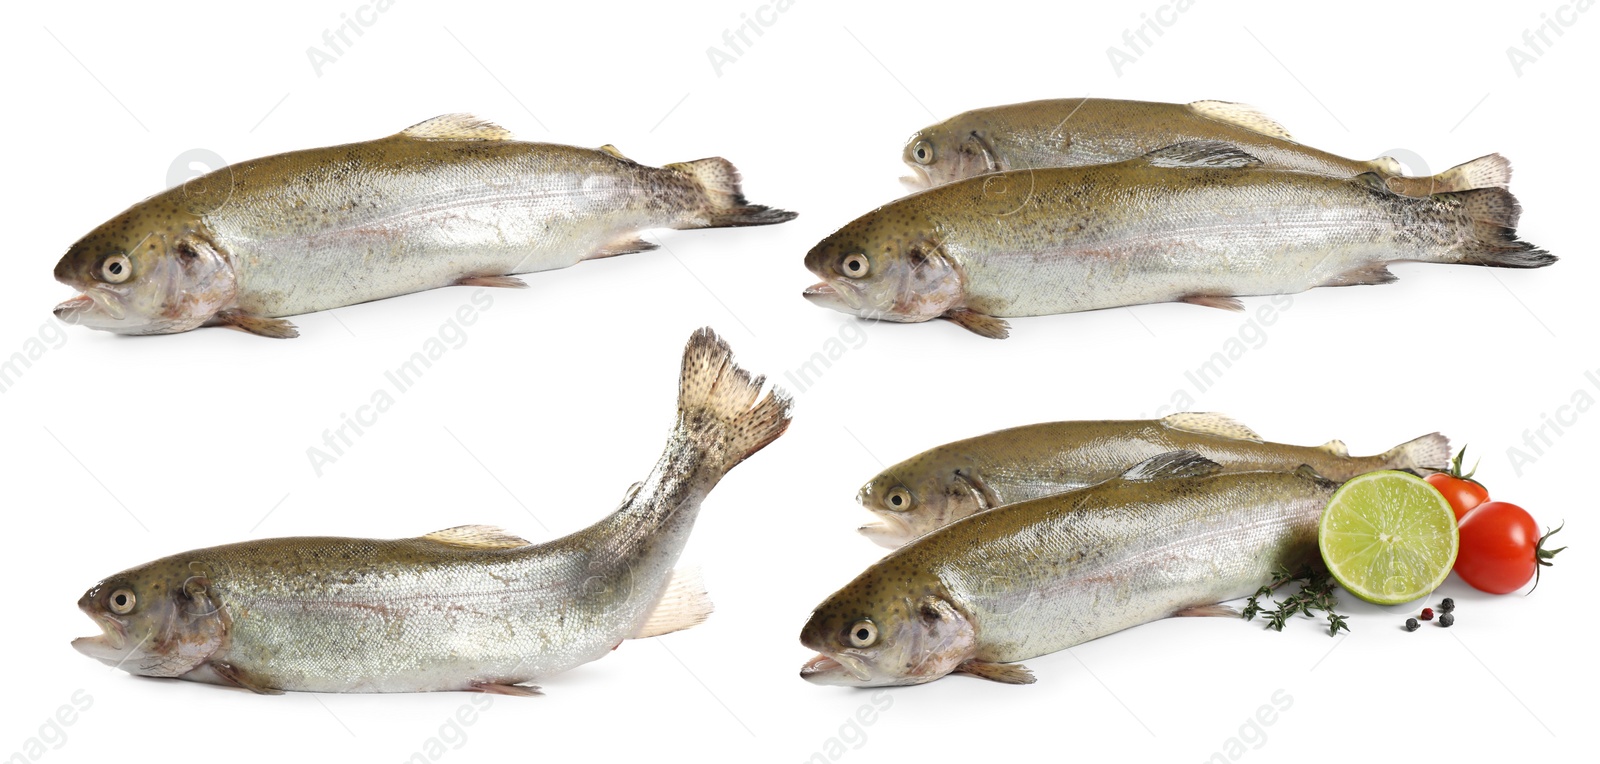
(1491, 236)
(725, 205)
(717, 403)
(1429, 453)
(1201, 154)
(1492, 171)
(684, 604)
(1203, 611)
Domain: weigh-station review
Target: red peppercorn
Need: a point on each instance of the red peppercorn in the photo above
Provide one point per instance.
(1427, 614)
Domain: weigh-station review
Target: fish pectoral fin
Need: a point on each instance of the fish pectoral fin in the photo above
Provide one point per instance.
(275, 328)
(978, 323)
(1361, 275)
(1201, 154)
(684, 604)
(1241, 115)
(502, 282)
(1004, 673)
(476, 537)
(456, 127)
(1335, 447)
(1224, 302)
(498, 688)
(626, 245)
(238, 677)
(1208, 423)
(1172, 464)
(1218, 610)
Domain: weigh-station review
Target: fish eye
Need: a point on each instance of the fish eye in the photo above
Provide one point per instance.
(116, 269)
(122, 601)
(863, 634)
(898, 499)
(922, 151)
(855, 265)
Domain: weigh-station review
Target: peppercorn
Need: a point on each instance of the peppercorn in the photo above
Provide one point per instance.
(1427, 614)
(1411, 624)
(1446, 619)
(1448, 605)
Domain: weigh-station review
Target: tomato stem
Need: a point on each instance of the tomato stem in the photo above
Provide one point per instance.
(1455, 466)
(1542, 556)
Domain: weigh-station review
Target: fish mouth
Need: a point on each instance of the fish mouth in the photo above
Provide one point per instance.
(841, 671)
(917, 181)
(891, 533)
(825, 295)
(110, 646)
(91, 303)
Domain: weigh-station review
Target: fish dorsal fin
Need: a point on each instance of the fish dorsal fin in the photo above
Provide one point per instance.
(457, 127)
(1335, 447)
(1172, 464)
(476, 537)
(1247, 117)
(1206, 423)
(1201, 154)
(616, 152)
(684, 604)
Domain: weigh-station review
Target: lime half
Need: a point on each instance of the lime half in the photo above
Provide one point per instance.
(1388, 537)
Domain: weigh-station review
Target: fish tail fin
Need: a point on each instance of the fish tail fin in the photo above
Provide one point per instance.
(718, 408)
(1490, 218)
(1492, 171)
(724, 205)
(1429, 453)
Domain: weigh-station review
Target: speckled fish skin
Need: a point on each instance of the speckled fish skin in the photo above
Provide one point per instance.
(955, 480)
(1041, 576)
(451, 200)
(465, 609)
(1197, 222)
(1070, 132)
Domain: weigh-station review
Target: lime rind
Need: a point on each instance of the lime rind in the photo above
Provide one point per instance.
(1388, 537)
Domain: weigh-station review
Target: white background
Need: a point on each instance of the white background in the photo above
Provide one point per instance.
(120, 450)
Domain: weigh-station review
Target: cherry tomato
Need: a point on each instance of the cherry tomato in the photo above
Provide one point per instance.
(1464, 494)
(1501, 549)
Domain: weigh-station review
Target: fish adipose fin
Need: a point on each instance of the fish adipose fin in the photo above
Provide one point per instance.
(1492, 171)
(238, 677)
(725, 203)
(1214, 301)
(1201, 154)
(1207, 423)
(275, 328)
(497, 688)
(1335, 447)
(979, 323)
(457, 127)
(1004, 673)
(1247, 117)
(614, 151)
(1429, 453)
(626, 245)
(1491, 238)
(1203, 611)
(684, 604)
(501, 282)
(1172, 464)
(476, 537)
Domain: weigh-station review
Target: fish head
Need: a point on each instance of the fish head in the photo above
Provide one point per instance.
(866, 635)
(151, 270)
(160, 619)
(887, 265)
(912, 499)
(953, 150)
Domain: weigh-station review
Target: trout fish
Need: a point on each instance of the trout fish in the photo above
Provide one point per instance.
(470, 608)
(453, 200)
(1197, 222)
(946, 483)
(1172, 536)
(1069, 132)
